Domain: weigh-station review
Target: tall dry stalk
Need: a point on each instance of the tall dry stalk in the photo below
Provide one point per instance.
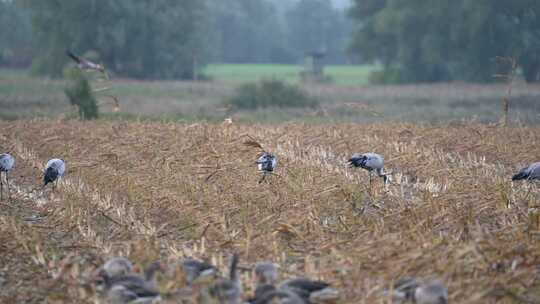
(508, 77)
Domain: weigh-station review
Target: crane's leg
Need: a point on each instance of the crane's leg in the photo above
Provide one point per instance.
(263, 177)
(1, 187)
(7, 183)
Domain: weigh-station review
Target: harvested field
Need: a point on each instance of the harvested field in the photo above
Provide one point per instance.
(156, 190)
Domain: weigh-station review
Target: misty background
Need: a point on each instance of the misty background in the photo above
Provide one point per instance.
(362, 48)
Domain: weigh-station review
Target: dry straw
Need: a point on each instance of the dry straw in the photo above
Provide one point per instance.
(142, 190)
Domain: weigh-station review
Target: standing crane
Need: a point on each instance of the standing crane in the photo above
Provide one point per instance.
(7, 162)
(531, 172)
(370, 162)
(54, 169)
(266, 164)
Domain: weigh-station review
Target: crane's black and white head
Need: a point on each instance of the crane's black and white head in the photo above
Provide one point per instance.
(267, 162)
(531, 172)
(54, 169)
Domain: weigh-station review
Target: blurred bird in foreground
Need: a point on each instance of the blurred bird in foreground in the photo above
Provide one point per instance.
(227, 290)
(265, 276)
(432, 292)
(409, 289)
(196, 270)
(130, 287)
(311, 291)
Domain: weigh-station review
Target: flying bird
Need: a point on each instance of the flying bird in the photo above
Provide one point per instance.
(7, 162)
(371, 162)
(531, 172)
(85, 64)
(54, 169)
(266, 164)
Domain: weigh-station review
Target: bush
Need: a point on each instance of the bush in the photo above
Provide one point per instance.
(386, 76)
(270, 93)
(80, 94)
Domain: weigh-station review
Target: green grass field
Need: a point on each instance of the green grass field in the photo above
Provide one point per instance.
(347, 99)
(239, 73)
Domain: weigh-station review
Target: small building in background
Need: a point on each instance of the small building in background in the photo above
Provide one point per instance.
(313, 70)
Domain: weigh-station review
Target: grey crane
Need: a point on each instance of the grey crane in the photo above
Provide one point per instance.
(265, 275)
(227, 290)
(196, 270)
(118, 266)
(130, 288)
(265, 272)
(311, 291)
(277, 296)
(404, 289)
(7, 162)
(266, 164)
(409, 289)
(531, 172)
(370, 162)
(432, 292)
(291, 291)
(54, 169)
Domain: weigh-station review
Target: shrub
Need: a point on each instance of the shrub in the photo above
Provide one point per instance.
(270, 93)
(386, 76)
(80, 94)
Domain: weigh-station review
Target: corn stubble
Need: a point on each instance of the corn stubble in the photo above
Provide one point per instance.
(169, 191)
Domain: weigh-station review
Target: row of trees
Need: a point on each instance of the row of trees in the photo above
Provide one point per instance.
(424, 41)
(415, 40)
(169, 38)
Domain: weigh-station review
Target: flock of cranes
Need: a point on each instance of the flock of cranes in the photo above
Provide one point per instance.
(54, 170)
(118, 282)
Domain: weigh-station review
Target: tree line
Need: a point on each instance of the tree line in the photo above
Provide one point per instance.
(414, 40)
(169, 39)
(445, 40)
